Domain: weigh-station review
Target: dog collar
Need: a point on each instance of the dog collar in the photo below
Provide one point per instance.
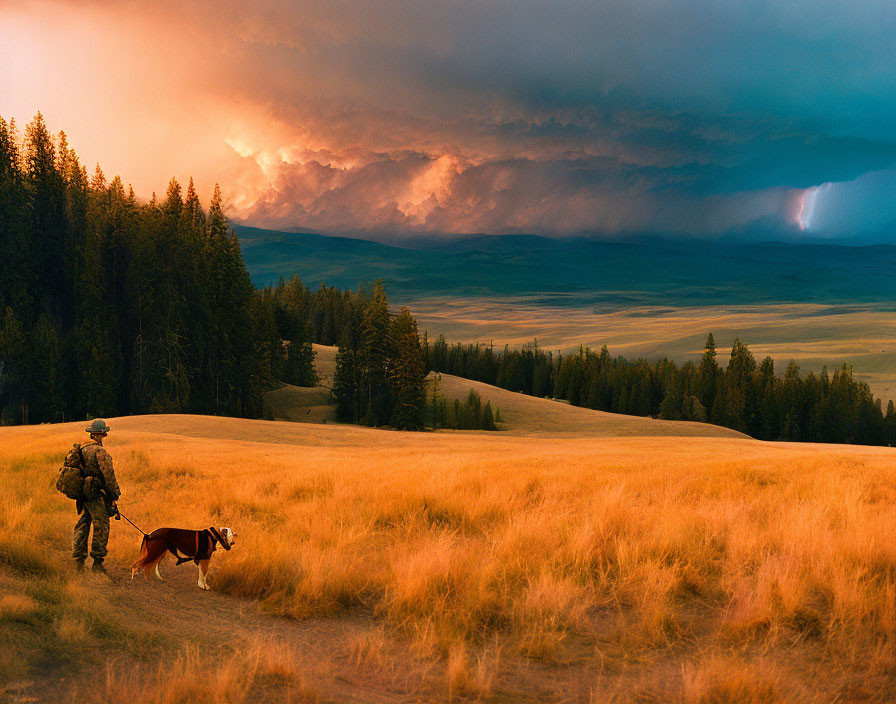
(217, 536)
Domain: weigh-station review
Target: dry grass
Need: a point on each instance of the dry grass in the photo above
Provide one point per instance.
(306, 404)
(529, 415)
(300, 404)
(261, 672)
(711, 680)
(679, 568)
(325, 364)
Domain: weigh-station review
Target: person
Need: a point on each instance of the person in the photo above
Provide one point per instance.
(98, 502)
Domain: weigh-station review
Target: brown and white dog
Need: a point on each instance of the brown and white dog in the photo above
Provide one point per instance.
(185, 545)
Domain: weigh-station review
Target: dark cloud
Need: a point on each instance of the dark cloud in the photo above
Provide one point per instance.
(383, 117)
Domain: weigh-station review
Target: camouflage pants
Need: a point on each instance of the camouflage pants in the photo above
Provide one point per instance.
(94, 511)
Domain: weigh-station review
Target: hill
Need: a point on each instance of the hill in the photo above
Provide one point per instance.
(820, 305)
(377, 566)
(306, 404)
(525, 415)
(300, 404)
(521, 414)
(325, 364)
(582, 271)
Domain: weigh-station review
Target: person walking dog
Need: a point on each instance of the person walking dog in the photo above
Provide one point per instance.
(98, 498)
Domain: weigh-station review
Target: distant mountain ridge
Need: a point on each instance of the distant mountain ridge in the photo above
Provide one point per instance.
(582, 271)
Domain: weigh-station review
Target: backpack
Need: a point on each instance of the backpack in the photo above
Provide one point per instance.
(71, 475)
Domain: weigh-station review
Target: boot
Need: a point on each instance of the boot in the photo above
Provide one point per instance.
(98, 565)
(79, 563)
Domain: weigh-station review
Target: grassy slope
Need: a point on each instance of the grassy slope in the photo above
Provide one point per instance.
(521, 414)
(529, 415)
(325, 364)
(302, 404)
(421, 567)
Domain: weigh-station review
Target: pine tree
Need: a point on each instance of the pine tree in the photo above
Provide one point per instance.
(348, 386)
(112, 300)
(13, 375)
(889, 429)
(708, 373)
(622, 404)
(794, 415)
(740, 408)
(768, 422)
(16, 273)
(374, 357)
(406, 373)
(45, 191)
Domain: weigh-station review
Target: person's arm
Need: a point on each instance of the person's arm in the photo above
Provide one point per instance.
(104, 460)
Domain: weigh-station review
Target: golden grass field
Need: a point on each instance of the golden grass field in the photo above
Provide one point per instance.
(811, 334)
(518, 566)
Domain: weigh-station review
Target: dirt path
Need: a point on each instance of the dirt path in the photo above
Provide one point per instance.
(344, 659)
(327, 652)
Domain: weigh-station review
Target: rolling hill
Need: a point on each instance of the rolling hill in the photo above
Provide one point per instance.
(582, 271)
(521, 414)
(528, 415)
(379, 566)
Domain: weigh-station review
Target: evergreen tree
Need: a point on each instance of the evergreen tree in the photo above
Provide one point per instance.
(16, 275)
(45, 192)
(793, 407)
(745, 396)
(114, 300)
(375, 352)
(740, 409)
(768, 422)
(889, 427)
(13, 370)
(708, 373)
(114, 306)
(348, 384)
(406, 373)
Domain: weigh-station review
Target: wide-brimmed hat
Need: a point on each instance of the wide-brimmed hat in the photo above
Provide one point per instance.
(98, 426)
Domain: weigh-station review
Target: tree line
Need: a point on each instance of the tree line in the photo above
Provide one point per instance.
(469, 415)
(110, 306)
(744, 395)
(380, 376)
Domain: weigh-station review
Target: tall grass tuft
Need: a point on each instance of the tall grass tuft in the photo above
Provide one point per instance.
(263, 670)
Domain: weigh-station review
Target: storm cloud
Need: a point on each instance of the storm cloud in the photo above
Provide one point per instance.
(386, 119)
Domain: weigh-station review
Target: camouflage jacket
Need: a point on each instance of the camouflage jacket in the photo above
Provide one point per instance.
(98, 462)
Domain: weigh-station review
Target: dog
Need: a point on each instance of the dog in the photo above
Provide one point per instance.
(185, 545)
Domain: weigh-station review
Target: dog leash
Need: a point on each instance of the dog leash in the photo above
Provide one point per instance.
(130, 521)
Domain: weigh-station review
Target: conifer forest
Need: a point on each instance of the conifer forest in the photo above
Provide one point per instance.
(113, 306)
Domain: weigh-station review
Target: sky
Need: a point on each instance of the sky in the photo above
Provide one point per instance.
(385, 119)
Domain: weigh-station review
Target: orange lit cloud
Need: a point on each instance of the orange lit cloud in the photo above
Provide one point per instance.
(380, 118)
